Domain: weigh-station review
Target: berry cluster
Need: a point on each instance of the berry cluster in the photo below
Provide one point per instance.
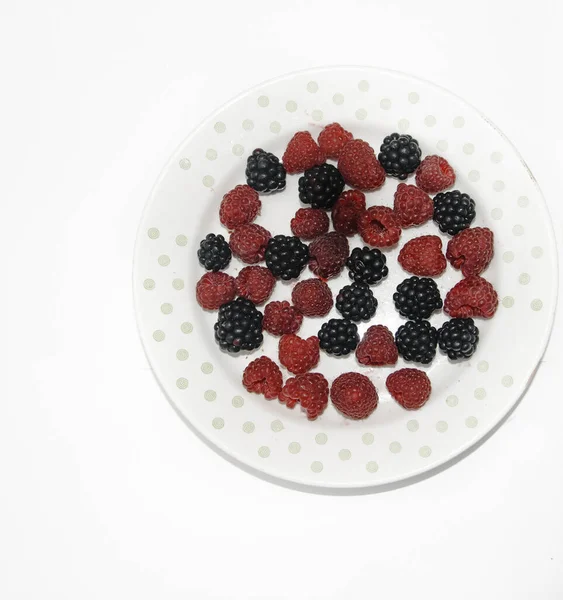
(240, 323)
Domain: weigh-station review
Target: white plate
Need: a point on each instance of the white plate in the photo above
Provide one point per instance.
(468, 399)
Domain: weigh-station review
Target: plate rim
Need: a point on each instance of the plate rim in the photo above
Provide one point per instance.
(425, 470)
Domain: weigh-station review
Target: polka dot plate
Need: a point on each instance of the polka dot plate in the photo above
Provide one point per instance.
(468, 399)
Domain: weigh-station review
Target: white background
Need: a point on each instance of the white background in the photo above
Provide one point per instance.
(104, 492)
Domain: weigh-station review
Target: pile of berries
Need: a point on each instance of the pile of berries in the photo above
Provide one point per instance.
(240, 324)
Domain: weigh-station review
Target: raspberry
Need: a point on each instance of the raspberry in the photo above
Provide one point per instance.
(360, 167)
(312, 298)
(310, 390)
(434, 174)
(239, 206)
(423, 256)
(377, 347)
(379, 227)
(347, 210)
(412, 206)
(471, 250)
(255, 283)
(248, 242)
(354, 395)
(333, 138)
(328, 254)
(471, 297)
(215, 289)
(298, 355)
(263, 376)
(410, 387)
(281, 317)
(309, 223)
(302, 153)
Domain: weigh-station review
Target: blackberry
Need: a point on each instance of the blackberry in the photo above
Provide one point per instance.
(239, 326)
(286, 256)
(339, 337)
(214, 252)
(367, 265)
(416, 341)
(399, 155)
(417, 297)
(264, 172)
(458, 338)
(321, 186)
(356, 302)
(453, 211)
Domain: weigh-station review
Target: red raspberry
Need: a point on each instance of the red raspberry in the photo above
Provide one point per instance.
(354, 395)
(309, 223)
(379, 227)
(255, 283)
(471, 250)
(360, 167)
(328, 254)
(299, 355)
(239, 206)
(434, 174)
(248, 242)
(412, 206)
(215, 289)
(333, 138)
(410, 387)
(312, 298)
(281, 317)
(310, 390)
(263, 376)
(471, 297)
(377, 347)
(302, 153)
(347, 210)
(423, 256)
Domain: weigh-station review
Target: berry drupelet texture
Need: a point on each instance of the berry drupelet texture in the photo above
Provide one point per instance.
(238, 326)
(417, 298)
(264, 172)
(367, 265)
(458, 338)
(214, 253)
(416, 341)
(286, 256)
(321, 186)
(356, 302)
(453, 211)
(399, 155)
(338, 337)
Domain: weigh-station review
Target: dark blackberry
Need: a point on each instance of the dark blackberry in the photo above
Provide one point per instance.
(264, 172)
(356, 302)
(321, 186)
(239, 326)
(214, 252)
(416, 341)
(399, 155)
(339, 337)
(453, 211)
(458, 338)
(417, 297)
(367, 265)
(286, 256)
